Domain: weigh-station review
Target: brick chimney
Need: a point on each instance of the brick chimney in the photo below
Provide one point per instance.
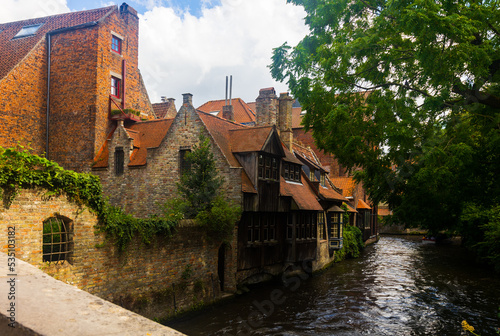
(284, 125)
(228, 112)
(266, 107)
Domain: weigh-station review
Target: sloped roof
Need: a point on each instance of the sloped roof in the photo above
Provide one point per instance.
(347, 184)
(242, 112)
(362, 205)
(12, 51)
(329, 194)
(302, 194)
(250, 139)
(297, 117)
(308, 157)
(220, 129)
(247, 185)
(350, 208)
(146, 134)
(165, 110)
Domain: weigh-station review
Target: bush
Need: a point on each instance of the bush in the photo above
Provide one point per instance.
(219, 220)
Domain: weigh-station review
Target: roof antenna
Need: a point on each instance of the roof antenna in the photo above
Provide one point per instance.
(226, 91)
(230, 89)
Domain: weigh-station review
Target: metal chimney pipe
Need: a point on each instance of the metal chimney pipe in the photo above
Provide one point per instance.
(230, 89)
(226, 91)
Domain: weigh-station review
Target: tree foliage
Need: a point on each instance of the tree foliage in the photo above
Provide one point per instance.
(200, 196)
(409, 91)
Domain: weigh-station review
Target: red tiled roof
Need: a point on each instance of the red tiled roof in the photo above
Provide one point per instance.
(242, 112)
(362, 205)
(384, 212)
(220, 129)
(165, 110)
(347, 184)
(250, 139)
(247, 185)
(329, 194)
(289, 157)
(297, 117)
(350, 208)
(12, 51)
(147, 134)
(302, 194)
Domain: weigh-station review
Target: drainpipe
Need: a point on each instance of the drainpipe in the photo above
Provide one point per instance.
(48, 98)
(124, 75)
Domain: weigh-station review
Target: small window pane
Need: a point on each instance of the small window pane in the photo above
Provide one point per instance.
(116, 44)
(28, 30)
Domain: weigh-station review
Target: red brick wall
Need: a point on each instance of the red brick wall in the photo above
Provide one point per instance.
(144, 278)
(22, 102)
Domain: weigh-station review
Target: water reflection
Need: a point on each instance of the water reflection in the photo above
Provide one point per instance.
(398, 287)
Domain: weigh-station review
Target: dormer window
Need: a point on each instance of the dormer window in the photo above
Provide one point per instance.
(116, 44)
(28, 30)
(322, 179)
(291, 172)
(268, 167)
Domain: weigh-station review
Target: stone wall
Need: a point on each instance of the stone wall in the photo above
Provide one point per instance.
(170, 274)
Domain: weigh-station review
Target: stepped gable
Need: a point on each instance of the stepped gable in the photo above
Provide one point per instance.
(13, 50)
(242, 112)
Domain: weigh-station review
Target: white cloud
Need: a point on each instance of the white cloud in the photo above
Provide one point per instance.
(182, 53)
(16, 10)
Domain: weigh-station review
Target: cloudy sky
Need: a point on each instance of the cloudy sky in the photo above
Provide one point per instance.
(192, 45)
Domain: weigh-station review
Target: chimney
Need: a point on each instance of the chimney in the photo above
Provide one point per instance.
(228, 112)
(163, 99)
(187, 99)
(266, 107)
(285, 119)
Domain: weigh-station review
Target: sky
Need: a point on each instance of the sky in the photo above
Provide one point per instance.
(191, 46)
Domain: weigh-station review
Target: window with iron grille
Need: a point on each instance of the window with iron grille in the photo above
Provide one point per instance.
(119, 161)
(57, 240)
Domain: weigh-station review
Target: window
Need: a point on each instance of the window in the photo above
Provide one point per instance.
(28, 30)
(57, 240)
(311, 175)
(184, 163)
(321, 225)
(291, 172)
(115, 86)
(119, 161)
(116, 44)
(336, 227)
(268, 167)
(322, 179)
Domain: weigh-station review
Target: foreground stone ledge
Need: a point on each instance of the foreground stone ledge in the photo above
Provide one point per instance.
(46, 306)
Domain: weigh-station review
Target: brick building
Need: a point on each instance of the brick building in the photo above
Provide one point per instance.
(61, 75)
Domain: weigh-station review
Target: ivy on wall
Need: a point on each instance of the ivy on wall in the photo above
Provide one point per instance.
(19, 169)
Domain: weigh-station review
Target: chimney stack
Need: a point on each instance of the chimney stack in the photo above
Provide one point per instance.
(285, 119)
(266, 107)
(163, 99)
(187, 99)
(228, 112)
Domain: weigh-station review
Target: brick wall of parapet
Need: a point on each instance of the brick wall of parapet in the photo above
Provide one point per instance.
(155, 280)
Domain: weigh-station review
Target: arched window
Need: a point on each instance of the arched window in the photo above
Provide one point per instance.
(57, 240)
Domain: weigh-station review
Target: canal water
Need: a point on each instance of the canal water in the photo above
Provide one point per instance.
(399, 286)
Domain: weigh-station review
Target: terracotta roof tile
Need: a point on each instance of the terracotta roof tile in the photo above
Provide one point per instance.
(347, 184)
(220, 129)
(101, 159)
(302, 194)
(297, 117)
(12, 51)
(249, 139)
(242, 112)
(165, 110)
(247, 185)
(350, 208)
(329, 194)
(147, 134)
(362, 205)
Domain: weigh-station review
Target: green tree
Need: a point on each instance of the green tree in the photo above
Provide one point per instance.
(201, 197)
(409, 91)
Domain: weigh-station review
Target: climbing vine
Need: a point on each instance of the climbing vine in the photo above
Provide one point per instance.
(19, 169)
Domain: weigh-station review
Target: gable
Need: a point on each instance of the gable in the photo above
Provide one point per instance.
(273, 145)
(13, 50)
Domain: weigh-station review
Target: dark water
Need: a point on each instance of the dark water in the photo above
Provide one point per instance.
(398, 287)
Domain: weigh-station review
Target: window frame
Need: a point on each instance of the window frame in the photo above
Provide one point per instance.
(118, 44)
(29, 33)
(116, 86)
(119, 161)
(65, 237)
(184, 164)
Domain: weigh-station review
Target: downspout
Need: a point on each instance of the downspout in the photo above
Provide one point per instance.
(48, 98)
(124, 75)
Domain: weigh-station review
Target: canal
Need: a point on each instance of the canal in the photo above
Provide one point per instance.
(399, 286)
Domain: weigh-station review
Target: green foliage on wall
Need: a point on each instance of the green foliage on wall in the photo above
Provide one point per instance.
(353, 243)
(19, 169)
